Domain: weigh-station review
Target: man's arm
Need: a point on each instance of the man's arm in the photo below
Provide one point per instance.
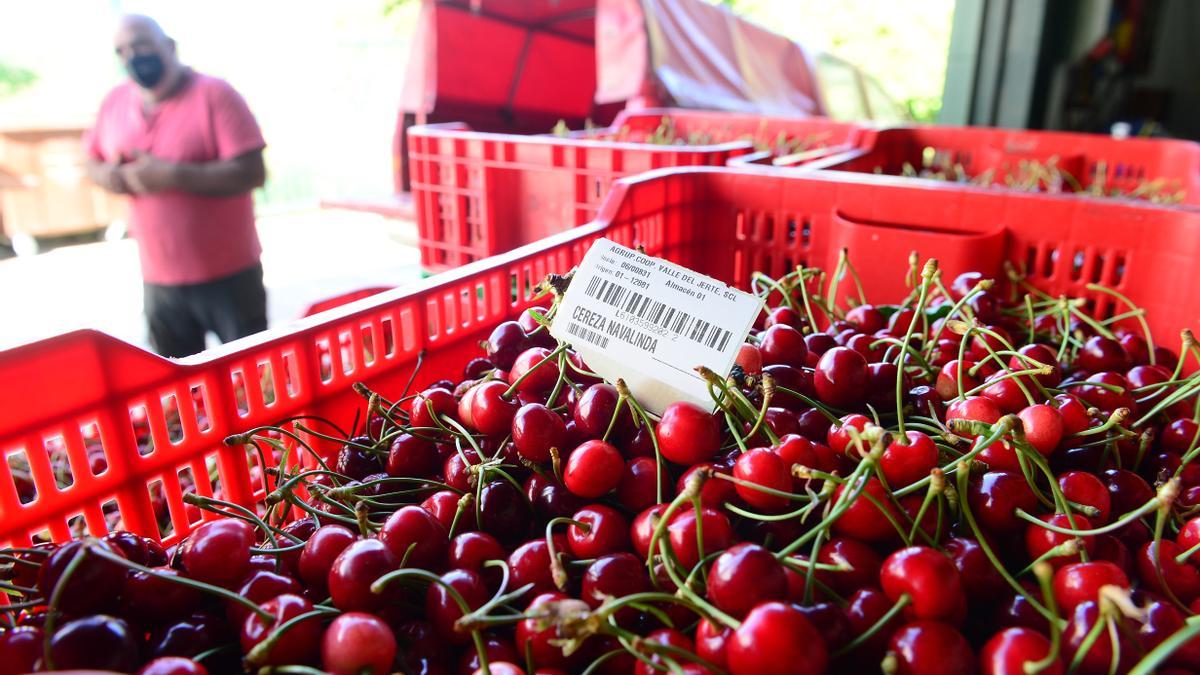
(227, 177)
(107, 175)
(216, 179)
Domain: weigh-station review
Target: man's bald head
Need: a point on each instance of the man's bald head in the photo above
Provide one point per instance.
(140, 40)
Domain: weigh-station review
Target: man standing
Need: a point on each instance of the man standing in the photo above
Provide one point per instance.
(187, 150)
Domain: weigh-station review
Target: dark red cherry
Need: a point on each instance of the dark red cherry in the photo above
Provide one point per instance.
(94, 584)
(20, 650)
(1100, 354)
(218, 552)
(491, 413)
(507, 340)
(442, 610)
(95, 642)
(614, 575)
(321, 549)
(841, 377)
(929, 648)
(1099, 656)
(639, 484)
(149, 599)
(595, 409)
(355, 460)
(412, 457)
(1114, 394)
(413, 535)
(504, 512)
(530, 564)
(995, 497)
(1158, 570)
(259, 587)
(978, 576)
(354, 570)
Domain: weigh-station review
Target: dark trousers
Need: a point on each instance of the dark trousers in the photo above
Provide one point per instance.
(180, 316)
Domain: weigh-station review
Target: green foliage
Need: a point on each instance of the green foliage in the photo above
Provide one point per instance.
(14, 79)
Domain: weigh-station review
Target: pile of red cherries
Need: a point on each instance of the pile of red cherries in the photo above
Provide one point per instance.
(981, 478)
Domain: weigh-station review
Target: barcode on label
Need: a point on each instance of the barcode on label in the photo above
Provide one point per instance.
(658, 313)
(587, 334)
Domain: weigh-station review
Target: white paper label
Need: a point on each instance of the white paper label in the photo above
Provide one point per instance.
(651, 322)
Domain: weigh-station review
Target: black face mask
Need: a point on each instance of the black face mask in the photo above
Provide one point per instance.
(146, 69)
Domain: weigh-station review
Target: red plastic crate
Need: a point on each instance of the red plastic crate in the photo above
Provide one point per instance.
(478, 194)
(1121, 164)
(722, 222)
(343, 299)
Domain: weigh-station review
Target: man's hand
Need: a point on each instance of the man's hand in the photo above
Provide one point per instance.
(148, 173)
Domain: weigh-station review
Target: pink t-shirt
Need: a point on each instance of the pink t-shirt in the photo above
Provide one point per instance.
(184, 238)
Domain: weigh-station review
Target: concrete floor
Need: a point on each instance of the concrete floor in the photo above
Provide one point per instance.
(307, 256)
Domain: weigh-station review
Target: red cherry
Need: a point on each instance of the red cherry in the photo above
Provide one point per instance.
(711, 639)
(784, 345)
(356, 643)
(687, 434)
(443, 504)
(839, 437)
(1043, 355)
(1115, 394)
(1078, 583)
(593, 469)
(538, 381)
(750, 359)
(866, 318)
(1043, 427)
(717, 534)
(863, 519)
(664, 636)
(862, 565)
(948, 377)
(760, 466)
(354, 570)
(321, 549)
(1039, 540)
(443, 611)
(427, 407)
(841, 377)
(530, 564)
(907, 461)
(535, 429)
(1084, 488)
(1008, 652)
(744, 576)
(928, 577)
(604, 531)
(535, 636)
(1180, 436)
(298, 644)
(974, 409)
(776, 638)
(931, 648)
(171, 665)
(1074, 413)
(491, 413)
(218, 552)
(1006, 393)
(642, 528)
